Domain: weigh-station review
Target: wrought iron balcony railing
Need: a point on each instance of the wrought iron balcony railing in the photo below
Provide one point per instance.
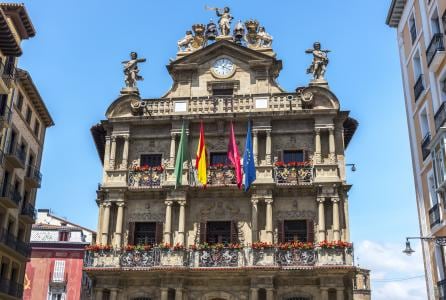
(413, 32)
(152, 177)
(440, 116)
(29, 211)
(424, 143)
(442, 289)
(436, 45)
(217, 258)
(434, 215)
(11, 288)
(33, 174)
(5, 115)
(221, 175)
(11, 194)
(16, 154)
(418, 88)
(12, 242)
(293, 174)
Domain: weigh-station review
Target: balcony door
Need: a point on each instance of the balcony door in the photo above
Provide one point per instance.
(219, 232)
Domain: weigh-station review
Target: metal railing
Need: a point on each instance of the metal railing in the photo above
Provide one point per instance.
(28, 210)
(440, 116)
(151, 177)
(293, 174)
(436, 44)
(11, 288)
(11, 193)
(33, 173)
(18, 152)
(442, 289)
(5, 113)
(418, 88)
(413, 32)
(434, 215)
(424, 143)
(12, 242)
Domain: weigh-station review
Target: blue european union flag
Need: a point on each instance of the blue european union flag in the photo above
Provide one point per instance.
(249, 167)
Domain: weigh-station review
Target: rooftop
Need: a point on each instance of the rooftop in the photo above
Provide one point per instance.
(395, 11)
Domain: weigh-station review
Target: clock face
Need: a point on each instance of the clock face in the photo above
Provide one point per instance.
(223, 67)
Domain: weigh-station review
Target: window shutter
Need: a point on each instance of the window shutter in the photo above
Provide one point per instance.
(58, 271)
(203, 232)
(159, 232)
(310, 231)
(131, 236)
(280, 231)
(234, 232)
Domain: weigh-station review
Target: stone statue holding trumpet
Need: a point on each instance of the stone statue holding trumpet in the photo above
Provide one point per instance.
(225, 19)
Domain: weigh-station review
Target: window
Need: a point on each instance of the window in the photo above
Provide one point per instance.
(59, 271)
(424, 123)
(151, 160)
(222, 92)
(19, 101)
(28, 115)
(64, 236)
(432, 190)
(36, 128)
(3, 104)
(296, 230)
(219, 232)
(435, 23)
(417, 71)
(413, 28)
(219, 158)
(293, 156)
(9, 66)
(145, 233)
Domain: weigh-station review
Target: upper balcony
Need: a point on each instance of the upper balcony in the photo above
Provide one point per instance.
(16, 156)
(14, 244)
(9, 196)
(435, 52)
(7, 75)
(28, 213)
(33, 177)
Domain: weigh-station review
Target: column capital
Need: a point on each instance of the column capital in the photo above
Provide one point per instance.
(181, 202)
(106, 204)
(126, 137)
(254, 201)
(269, 200)
(331, 129)
(113, 138)
(320, 199)
(173, 134)
(335, 199)
(120, 204)
(317, 130)
(168, 202)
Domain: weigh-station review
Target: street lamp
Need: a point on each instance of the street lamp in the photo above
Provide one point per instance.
(353, 167)
(439, 240)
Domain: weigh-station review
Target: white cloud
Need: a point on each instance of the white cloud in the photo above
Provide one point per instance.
(388, 265)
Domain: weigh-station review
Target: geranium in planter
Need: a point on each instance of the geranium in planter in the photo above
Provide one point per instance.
(334, 245)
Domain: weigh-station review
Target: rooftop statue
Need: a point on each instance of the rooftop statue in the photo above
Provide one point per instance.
(185, 44)
(131, 70)
(257, 37)
(265, 39)
(320, 61)
(225, 19)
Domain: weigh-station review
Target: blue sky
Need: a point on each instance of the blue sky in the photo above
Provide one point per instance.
(75, 61)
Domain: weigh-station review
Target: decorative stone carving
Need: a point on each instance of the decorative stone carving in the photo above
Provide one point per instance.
(218, 210)
(256, 36)
(320, 62)
(191, 42)
(131, 71)
(224, 22)
(295, 214)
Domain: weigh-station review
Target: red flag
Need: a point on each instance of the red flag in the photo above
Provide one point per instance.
(234, 157)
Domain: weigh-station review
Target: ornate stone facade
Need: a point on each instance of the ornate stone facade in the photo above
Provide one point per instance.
(299, 139)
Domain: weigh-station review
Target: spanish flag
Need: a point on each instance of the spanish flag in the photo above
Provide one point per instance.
(200, 163)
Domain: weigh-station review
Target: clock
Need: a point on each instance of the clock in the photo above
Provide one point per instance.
(223, 68)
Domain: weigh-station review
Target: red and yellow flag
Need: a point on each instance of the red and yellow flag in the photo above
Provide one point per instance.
(200, 162)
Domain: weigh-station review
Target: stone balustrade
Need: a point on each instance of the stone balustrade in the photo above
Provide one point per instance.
(217, 258)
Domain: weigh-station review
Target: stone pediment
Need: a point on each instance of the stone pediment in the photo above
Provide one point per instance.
(253, 58)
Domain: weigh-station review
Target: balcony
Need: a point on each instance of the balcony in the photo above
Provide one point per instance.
(221, 175)
(424, 143)
(435, 52)
(300, 173)
(28, 213)
(10, 197)
(418, 88)
(413, 32)
(218, 258)
(7, 74)
(441, 285)
(146, 177)
(58, 280)
(11, 288)
(16, 156)
(440, 116)
(13, 243)
(33, 177)
(434, 215)
(5, 116)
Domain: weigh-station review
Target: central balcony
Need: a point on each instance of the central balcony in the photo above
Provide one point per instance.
(221, 175)
(220, 257)
(146, 177)
(296, 173)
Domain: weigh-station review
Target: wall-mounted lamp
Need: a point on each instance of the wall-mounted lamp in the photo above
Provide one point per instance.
(439, 240)
(353, 167)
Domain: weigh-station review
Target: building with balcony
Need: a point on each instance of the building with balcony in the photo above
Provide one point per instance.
(23, 122)
(57, 252)
(421, 29)
(162, 234)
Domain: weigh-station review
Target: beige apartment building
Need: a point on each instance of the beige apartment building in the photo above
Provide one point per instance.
(421, 27)
(287, 237)
(23, 121)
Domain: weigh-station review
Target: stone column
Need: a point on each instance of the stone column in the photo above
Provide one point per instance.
(331, 145)
(254, 294)
(168, 222)
(269, 220)
(346, 236)
(172, 149)
(268, 147)
(270, 294)
(255, 146)
(324, 293)
(119, 219)
(178, 293)
(105, 222)
(254, 221)
(125, 153)
(100, 215)
(340, 294)
(107, 152)
(98, 293)
(317, 145)
(164, 293)
(113, 294)
(321, 218)
(113, 152)
(336, 233)
(181, 222)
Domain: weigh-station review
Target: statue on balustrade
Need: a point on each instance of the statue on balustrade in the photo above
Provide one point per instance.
(131, 70)
(320, 61)
(225, 19)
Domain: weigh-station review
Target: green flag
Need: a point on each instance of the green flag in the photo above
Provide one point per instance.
(181, 156)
